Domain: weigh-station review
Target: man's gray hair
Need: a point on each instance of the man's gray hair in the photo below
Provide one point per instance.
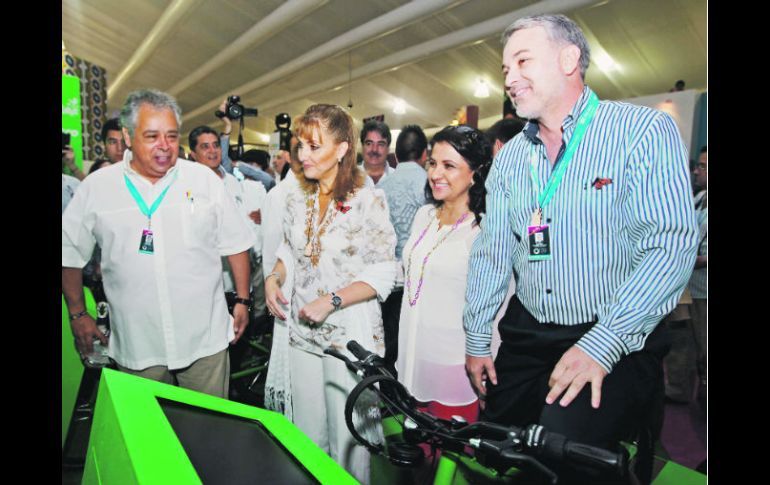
(560, 29)
(157, 99)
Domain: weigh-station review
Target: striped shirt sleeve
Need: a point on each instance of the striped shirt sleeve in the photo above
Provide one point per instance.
(491, 261)
(661, 222)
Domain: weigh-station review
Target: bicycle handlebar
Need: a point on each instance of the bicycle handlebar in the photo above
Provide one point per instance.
(513, 444)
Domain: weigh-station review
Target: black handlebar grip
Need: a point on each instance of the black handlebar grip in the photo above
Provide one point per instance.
(356, 349)
(559, 448)
(597, 458)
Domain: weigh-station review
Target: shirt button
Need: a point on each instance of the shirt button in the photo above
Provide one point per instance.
(548, 290)
(548, 220)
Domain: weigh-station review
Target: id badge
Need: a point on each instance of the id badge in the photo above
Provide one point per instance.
(146, 243)
(539, 243)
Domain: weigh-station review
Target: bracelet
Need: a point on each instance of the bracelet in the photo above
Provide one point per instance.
(75, 316)
(244, 301)
(274, 273)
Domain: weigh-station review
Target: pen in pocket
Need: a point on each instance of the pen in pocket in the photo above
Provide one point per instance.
(192, 202)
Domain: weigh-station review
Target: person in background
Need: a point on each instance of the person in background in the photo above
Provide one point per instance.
(248, 197)
(281, 163)
(68, 186)
(100, 163)
(375, 146)
(698, 284)
(339, 249)
(253, 164)
(112, 137)
(92, 272)
(431, 359)
(502, 131)
(274, 209)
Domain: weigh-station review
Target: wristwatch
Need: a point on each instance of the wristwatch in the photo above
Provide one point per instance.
(336, 301)
(244, 301)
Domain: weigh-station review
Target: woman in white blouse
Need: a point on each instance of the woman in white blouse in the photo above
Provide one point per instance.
(338, 253)
(431, 357)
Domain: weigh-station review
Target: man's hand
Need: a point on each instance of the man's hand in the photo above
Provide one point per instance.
(274, 296)
(228, 124)
(85, 331)
(572, 372)
(68, 156)
(479, 370)
(256, 216)
(317, 310)
(240, 320)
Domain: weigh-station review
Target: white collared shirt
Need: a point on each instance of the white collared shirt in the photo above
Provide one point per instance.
(272, 220)
(167, 308)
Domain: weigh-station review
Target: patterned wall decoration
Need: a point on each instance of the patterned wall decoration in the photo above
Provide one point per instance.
(93, 101)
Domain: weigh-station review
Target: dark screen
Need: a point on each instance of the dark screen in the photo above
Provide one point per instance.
(227, 449)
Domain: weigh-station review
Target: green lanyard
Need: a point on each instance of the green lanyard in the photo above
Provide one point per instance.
(140, 201)
(553, 182)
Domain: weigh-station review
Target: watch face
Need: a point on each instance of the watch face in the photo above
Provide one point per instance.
(336, 301)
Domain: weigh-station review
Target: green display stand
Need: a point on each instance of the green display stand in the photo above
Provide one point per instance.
(132, 440)
(71, 365)
(676, 474)
(71, 116)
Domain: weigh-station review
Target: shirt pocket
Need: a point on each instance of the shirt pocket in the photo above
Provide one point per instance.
(599, 211)
(199, 224)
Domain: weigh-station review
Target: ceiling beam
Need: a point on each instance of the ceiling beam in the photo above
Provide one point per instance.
(377, 27)
(164, 26)
(278, 20)
(481, 30)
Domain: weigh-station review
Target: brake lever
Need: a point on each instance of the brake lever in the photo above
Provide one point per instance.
(520, 458)
(352, 366)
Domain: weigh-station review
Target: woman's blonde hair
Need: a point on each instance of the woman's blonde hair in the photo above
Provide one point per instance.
(339, 124)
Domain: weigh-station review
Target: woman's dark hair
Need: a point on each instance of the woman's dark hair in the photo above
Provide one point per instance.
(476, 150)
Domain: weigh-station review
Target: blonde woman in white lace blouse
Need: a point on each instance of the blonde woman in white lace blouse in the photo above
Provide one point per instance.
(339, 253)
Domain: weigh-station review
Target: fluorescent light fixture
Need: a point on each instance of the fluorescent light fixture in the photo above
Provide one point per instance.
(605, 62)
(399, 107)
(482, 89)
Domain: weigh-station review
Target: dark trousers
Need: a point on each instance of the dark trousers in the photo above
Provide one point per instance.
(391, 313)
(528, 353)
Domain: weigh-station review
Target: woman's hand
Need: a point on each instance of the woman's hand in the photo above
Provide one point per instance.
(274, 297)
(317, 310)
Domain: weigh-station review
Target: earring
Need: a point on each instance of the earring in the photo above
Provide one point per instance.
(339, 160)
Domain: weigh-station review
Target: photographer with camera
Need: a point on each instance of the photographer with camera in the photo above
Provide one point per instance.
(248, 194)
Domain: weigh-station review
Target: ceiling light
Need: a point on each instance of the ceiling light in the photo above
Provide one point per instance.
(482, 89)
(399, 107)
(605, 62)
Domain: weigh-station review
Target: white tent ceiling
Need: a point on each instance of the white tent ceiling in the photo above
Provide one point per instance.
(282, 56)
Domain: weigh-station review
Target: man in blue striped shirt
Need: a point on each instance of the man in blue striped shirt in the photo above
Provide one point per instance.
(590, 209)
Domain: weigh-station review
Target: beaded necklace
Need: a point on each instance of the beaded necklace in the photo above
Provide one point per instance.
(313, 246)
(413, 301)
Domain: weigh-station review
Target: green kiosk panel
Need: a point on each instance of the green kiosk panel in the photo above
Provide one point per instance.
(148, 432)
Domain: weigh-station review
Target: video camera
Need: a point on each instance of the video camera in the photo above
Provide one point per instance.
(235, 110)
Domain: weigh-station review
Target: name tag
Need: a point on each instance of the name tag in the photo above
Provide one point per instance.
(146, 243)
(539, 243)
